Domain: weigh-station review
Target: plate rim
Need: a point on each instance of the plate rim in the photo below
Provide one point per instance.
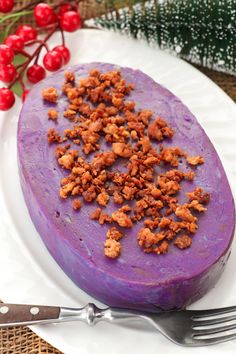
(42, 331)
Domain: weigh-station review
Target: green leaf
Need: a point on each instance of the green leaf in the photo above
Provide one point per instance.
(19, 59)
(1, 37)
(17, 89)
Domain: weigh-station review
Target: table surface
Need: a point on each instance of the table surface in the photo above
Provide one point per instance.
(19, 340)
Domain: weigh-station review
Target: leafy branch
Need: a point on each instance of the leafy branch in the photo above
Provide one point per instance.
(202, 34)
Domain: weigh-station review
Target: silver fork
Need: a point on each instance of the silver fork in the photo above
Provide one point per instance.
(185, 327)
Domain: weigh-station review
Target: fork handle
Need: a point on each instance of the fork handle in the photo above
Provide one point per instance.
(24, 315)
(14, 314)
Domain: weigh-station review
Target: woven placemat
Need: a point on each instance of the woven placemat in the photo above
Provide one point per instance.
(23, 340)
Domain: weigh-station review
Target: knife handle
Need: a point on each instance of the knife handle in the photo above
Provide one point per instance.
(15, 315)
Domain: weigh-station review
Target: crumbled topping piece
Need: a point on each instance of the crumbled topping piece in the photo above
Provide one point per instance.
(122, 149)
(54, 136)
(159, 130)
(70, 114)
(156, 193)
(163, 248)
(77, 204)
(170, 155)
(147, 238)
(189, 176)
(199, 195)
(117, 197)
(52, 114)
(61, 150)
(122, 219)
(112, 248)
(197, 206)
(67, 161)
(95, 215)
(183, 241)
(104, 218)
(185, 214)
(151, 224)
(102, 198)
(103, 159)
(66, 189)
(114, 234)
(89, 194)
(69, 76)
(50, 94)
(195, 160)
(164, 222)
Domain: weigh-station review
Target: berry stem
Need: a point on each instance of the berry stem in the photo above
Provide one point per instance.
(37, 41)
(21, 82)
(62, 37)
(31, 57)
(23, 52)
(19, 65)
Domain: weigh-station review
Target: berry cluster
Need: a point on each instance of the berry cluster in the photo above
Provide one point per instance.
(61, 16)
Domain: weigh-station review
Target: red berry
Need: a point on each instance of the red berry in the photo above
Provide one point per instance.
(70, 21)
(44, 15)
(66, 7)
(65, 53)
(6, 5)
(35, 73)
(27, 33)
(7, 99)
(52, 61)
(15, 42)
(54, 18)
(24, 94)
(6, 54)
(7, 72)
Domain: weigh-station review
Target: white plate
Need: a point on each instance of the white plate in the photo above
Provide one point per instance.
(28, 273)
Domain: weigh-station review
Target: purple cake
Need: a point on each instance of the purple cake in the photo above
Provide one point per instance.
(135, 279)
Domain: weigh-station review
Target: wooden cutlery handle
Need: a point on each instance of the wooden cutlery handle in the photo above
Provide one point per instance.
(16, 314)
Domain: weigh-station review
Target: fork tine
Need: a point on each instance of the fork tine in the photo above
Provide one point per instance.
(205, 313)
(198, 322)
(216, 340)
(208, 331)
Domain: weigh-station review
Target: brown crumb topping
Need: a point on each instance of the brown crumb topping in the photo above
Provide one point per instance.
(102, 198)
(147, 187)
(114, 234)
(50, 94)
(52, 114)
(199, 195)
(112, 248)
(183, 241)
(195, 160)
(53, 136)
(77, 204)
(69, 76)
(121, 219)
(95, 215)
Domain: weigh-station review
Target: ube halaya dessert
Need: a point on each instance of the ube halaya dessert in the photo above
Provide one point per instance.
(124, 187)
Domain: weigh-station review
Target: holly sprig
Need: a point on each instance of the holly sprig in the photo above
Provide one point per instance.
(18, 65)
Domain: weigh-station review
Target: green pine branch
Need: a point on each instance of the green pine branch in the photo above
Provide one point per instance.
(201, 31)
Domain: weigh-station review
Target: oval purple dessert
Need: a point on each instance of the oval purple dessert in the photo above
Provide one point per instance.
(135, 279)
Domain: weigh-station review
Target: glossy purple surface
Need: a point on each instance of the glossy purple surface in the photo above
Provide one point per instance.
(135, 279)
